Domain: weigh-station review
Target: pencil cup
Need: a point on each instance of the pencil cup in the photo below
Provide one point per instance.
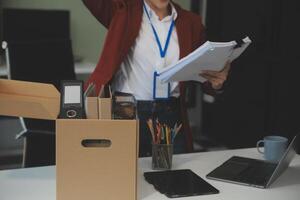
(162, 156)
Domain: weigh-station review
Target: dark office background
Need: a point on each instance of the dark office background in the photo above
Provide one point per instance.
(1, 28)
(261, 96)
(40, 50)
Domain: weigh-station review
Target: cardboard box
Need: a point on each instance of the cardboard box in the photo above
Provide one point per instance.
(92, 108)
(105, 105)
(27, 99)
(99, 107)
(84, 169)
(96, 172)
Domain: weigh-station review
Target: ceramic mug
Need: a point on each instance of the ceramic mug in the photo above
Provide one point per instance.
(274, 147)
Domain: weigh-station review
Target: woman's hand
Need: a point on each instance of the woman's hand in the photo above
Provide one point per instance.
(217, 78)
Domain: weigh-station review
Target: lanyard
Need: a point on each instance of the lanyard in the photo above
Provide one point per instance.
(161, 50)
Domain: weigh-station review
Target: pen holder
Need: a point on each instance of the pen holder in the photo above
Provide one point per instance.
(162, 156)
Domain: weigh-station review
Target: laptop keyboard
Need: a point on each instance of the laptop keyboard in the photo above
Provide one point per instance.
(259, 172)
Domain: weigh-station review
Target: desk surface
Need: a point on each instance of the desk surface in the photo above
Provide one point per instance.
(39, 183)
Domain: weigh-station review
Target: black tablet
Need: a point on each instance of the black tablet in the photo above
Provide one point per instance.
(179, 183)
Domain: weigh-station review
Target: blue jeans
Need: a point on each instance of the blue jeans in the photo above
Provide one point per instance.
(167, 112)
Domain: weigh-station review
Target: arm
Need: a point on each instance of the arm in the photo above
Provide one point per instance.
(217, 78)
(199, 32)
(103, 10)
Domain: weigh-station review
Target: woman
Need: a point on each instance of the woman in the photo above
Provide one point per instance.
(144, 36)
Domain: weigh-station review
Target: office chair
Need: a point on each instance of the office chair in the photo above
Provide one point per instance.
(38, 49)
(39, 61)
(35, 24)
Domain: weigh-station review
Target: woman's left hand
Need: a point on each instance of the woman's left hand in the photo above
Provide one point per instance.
(217, 78)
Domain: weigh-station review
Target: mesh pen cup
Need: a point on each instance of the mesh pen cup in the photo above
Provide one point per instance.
(162, 156)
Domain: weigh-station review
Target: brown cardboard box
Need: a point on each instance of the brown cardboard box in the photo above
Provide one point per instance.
(91, 108)
(104, 105)
(104, 108)
(27, 99)
(96, 172)
(100, 106)
(83, 172)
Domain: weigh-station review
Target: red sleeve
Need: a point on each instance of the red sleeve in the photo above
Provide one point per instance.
(198, 32)
(102, 9)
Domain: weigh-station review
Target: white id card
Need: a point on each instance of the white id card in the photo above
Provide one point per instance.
(160, 90)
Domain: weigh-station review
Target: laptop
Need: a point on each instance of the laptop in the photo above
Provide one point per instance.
(253, 172)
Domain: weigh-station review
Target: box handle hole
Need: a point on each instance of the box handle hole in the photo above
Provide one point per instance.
(96, 143)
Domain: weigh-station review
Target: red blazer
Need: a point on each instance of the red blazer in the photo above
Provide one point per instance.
(123, 19)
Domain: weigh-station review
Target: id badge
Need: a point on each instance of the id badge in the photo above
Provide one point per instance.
(160, 90)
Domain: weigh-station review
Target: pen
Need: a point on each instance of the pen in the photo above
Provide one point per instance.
(169, 135)
(159, 136)
(149, 123)
(166, 136)
(176, 130)
(173, 135)
(163, 132)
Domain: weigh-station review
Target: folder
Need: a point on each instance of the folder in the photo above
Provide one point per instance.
(209, 56)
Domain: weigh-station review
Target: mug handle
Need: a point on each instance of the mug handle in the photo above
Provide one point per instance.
(258, 146)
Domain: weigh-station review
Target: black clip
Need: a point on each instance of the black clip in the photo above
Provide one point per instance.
(239, 43)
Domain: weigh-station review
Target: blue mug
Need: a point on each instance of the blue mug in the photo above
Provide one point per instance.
(274, 147)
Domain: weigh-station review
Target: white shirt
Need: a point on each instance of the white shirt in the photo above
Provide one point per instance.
(137, 70)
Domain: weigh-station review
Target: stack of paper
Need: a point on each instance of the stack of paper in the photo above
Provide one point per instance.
(209, 56)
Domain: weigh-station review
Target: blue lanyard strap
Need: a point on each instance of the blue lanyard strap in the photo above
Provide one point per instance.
(161, 50)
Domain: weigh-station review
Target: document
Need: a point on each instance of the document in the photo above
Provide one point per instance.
(209, 56)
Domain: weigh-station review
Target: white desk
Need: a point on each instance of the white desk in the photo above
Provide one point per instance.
(39, 183)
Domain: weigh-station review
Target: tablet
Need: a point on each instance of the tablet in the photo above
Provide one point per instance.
(179, 183)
